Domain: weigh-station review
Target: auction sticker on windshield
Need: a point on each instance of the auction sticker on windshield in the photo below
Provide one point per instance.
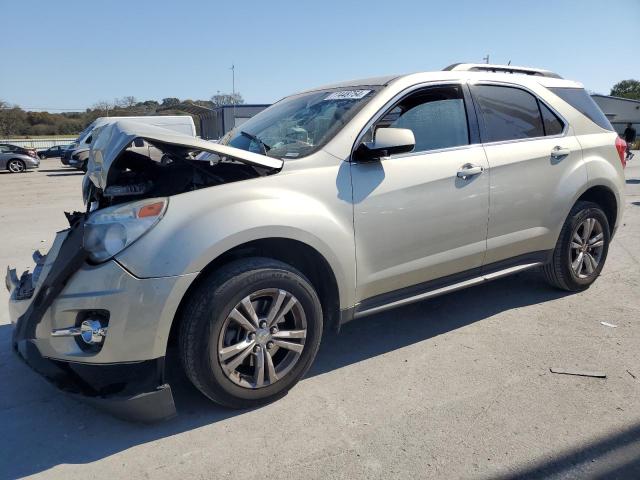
(347, 95)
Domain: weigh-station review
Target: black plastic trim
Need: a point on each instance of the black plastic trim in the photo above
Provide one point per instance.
(131, 391)
(472, 116)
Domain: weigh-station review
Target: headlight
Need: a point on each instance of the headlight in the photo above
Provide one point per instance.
(109, 231)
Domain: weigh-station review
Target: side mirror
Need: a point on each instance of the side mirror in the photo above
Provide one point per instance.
(387, 141)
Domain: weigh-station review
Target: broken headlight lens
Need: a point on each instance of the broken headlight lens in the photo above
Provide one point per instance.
(109, 231)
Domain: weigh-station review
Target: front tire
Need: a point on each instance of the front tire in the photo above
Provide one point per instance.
(581, 250)
(16, 166)
(250, 331)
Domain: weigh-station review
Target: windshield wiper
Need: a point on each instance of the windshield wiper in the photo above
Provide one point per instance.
(264, 146)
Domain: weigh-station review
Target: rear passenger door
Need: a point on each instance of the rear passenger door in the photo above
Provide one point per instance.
(535, 166)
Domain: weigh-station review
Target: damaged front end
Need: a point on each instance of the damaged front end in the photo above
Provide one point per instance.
(130, 161)
(77, 296)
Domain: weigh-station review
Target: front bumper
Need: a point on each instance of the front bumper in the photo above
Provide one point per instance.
(125, 375)
(130, 391)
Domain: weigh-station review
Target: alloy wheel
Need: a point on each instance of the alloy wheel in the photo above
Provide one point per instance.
(16, 166)
(262, 338)
(587, 245)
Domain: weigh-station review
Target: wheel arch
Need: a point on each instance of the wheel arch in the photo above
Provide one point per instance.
(606, 198)
(305, 258)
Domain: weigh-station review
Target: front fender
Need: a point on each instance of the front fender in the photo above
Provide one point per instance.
(200, 226)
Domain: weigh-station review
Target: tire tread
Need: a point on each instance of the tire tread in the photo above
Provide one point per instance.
(555, 272)
(194, 320)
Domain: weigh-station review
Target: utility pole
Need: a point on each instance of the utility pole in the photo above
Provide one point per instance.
(233, 91)
(486, 59)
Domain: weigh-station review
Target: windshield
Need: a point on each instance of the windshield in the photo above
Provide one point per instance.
(299, 125)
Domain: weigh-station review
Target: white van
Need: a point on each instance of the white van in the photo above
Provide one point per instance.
(78, 153)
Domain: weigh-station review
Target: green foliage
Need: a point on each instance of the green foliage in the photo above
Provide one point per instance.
(16, 122)
(167, 102)
(220, 99)
(627, 89)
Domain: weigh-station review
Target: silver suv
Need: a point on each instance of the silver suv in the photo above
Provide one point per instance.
(332, 204)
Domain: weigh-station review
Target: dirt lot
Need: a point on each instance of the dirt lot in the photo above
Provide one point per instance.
(458, 386)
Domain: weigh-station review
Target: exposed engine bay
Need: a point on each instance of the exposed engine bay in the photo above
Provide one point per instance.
(134, 175)
(131, 162)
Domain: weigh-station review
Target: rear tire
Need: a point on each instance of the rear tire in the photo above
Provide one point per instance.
(272, 352)
(581, 250)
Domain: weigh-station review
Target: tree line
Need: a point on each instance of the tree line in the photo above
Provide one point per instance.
(16, 122)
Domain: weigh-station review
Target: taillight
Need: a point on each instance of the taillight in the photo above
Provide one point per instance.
(621, 146)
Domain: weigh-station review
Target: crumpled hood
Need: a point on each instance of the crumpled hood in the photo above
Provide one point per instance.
(111, 140)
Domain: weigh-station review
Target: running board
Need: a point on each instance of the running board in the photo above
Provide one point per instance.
(449, 288)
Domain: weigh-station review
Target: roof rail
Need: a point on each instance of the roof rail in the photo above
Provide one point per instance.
(485, 67)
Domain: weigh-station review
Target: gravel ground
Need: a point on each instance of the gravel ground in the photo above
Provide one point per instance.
(454, 387)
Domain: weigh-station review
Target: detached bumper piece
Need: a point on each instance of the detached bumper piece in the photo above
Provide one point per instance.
(25, 284)
(129, 391)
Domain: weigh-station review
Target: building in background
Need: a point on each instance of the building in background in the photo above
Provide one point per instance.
(214, 122)
(619, 111)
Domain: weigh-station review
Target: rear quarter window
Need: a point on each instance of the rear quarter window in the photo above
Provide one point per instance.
(552, 124)
(579, 99)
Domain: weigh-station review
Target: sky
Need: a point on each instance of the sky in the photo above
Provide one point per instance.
(68, 55)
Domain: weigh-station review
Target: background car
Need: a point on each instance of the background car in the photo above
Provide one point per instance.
(22, 150)
(65, 155)
(52, 152)
(14, 161)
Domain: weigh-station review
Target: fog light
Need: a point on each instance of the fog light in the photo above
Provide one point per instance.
(91, 331)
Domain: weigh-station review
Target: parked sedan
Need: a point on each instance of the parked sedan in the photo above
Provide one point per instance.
(52, 152)
(16, 162)
(21, 150)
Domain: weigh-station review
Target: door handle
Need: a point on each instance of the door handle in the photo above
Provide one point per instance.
(469, 170)
(559, 152)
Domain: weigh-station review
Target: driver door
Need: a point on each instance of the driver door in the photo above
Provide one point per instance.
(416, 219)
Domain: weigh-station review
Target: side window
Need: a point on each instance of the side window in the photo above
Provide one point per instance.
(579, 99)
(436, 116)
(508, 113)
(552, 124)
